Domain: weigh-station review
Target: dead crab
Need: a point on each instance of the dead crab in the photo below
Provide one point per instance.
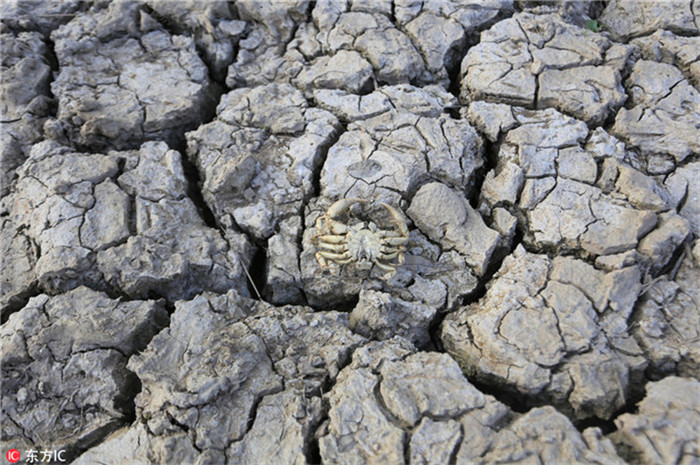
(363, 243)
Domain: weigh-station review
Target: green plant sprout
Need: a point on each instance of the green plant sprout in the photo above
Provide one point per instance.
(594, 25)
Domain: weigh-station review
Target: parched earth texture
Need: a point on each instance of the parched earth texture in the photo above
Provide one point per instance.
(163, 167)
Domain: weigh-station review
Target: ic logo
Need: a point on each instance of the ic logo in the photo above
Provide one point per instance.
(12, 456)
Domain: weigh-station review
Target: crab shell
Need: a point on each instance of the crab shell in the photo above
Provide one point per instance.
(340, 244)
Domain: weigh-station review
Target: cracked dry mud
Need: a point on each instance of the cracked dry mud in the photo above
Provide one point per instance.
(163, 167)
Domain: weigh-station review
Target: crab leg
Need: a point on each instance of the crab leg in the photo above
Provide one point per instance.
(388, 253)
(390, 270)
(341, 259)
(387, 256)
(390, 234)
(330, 238)
(385, 267)
(391, 255)
(333, 247)
(323, 263)
(395, 241)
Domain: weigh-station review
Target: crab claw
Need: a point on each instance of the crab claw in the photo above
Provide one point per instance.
(398, 217)
(341, 206)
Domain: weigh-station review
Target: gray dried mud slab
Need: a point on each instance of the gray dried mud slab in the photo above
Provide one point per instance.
(172, 251)
(213, 25)
(665, 429)
(243, 364)
(283, 275)
(455, 226)
(54, 192)
(685, 193)
(122, 81)
(38, 15)
(64, 379)
(132, 228)
(352, 46)
(256, 166)
(379, 316)
(578, 190)
(261, 57)
(136, 446)
(542, 61)
(401, 138)
(664, 111)
(680, 51)
(552, 329)
(666, 320)
(19, 255)
(383, 410)
(24, 99)
(625, 19)
(346, 70)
